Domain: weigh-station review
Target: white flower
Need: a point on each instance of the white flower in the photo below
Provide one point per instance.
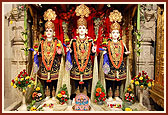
(64, 95)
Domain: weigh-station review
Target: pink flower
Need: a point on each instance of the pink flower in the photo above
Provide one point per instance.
(95, 100)
(39, 94)
(127, 94)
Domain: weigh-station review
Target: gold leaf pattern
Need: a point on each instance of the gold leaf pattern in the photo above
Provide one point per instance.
(49, 15)
(115, 16)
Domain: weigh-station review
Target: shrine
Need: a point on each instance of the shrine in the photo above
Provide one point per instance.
(83, 57)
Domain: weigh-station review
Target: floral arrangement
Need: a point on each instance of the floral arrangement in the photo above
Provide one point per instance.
(48, 105)
(100, 94)
(115, 105)
(63, 95)
(142, 80)
(37, 95)
(129, 94)
(22, 81)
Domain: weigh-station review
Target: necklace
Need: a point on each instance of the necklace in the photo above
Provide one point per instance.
(76, 57)
(53, 56)
(115, 46)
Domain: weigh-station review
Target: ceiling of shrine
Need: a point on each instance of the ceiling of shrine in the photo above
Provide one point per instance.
(99, 7)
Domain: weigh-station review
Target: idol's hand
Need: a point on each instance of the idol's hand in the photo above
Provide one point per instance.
(34, 52)
(94, 48)
(104, 52)
(68, 48)
(128, 52)
(59, 50)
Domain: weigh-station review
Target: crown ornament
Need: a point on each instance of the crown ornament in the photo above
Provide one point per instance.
(115, 17)
(82, 11)
(48, 16)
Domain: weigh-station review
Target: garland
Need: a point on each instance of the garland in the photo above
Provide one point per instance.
(83, 68)
(121, 58)
(48, 69)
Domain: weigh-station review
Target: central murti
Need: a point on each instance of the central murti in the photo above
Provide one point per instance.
(82, 47)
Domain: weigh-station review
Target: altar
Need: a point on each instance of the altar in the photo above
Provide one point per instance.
(84, 57)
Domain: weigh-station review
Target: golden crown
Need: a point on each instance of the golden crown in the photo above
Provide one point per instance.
(49, 15)
(115, 17)
(82, 10)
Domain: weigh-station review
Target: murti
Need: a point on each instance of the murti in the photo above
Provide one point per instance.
(82, 48)
(115, 50)
(49, 50)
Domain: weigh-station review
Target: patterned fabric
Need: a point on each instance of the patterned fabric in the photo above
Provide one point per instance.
(82, 51)
(87, 74)
(121, 72)
(48, 48)
(54, 70)
(116, 58)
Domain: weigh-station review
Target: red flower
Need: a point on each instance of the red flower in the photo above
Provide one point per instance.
(27, 82)
(65, 99)
(147, 81)
(139, 73)
(125, 97)
(99, 98)
(146, 77)
(81, 82)
(129, 96)
(19, 82)
(129, 99)
(13, 80)
(63, 103)
(102, 94)
(21, 72)
(141, 81)
(48, 81)
(104, 99)
(97, 94)
(19, 76)
(62, 98)
(32, 79)
(145, 73)
(132, 98)
(118, 79)
(24, 70)
(35, 46)
(133, 78)
(63, 92)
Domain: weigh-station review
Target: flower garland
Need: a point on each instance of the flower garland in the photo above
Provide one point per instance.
(87, 59)
(48, 68)
(121, 58)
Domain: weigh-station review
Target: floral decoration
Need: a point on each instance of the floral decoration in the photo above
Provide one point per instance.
(63, 95)
(100, 94)
(143, 80)
(129, 95)
(22, 81)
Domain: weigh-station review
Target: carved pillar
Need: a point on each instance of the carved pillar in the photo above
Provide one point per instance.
(15, 55)
(147, 33)
(147, 30)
